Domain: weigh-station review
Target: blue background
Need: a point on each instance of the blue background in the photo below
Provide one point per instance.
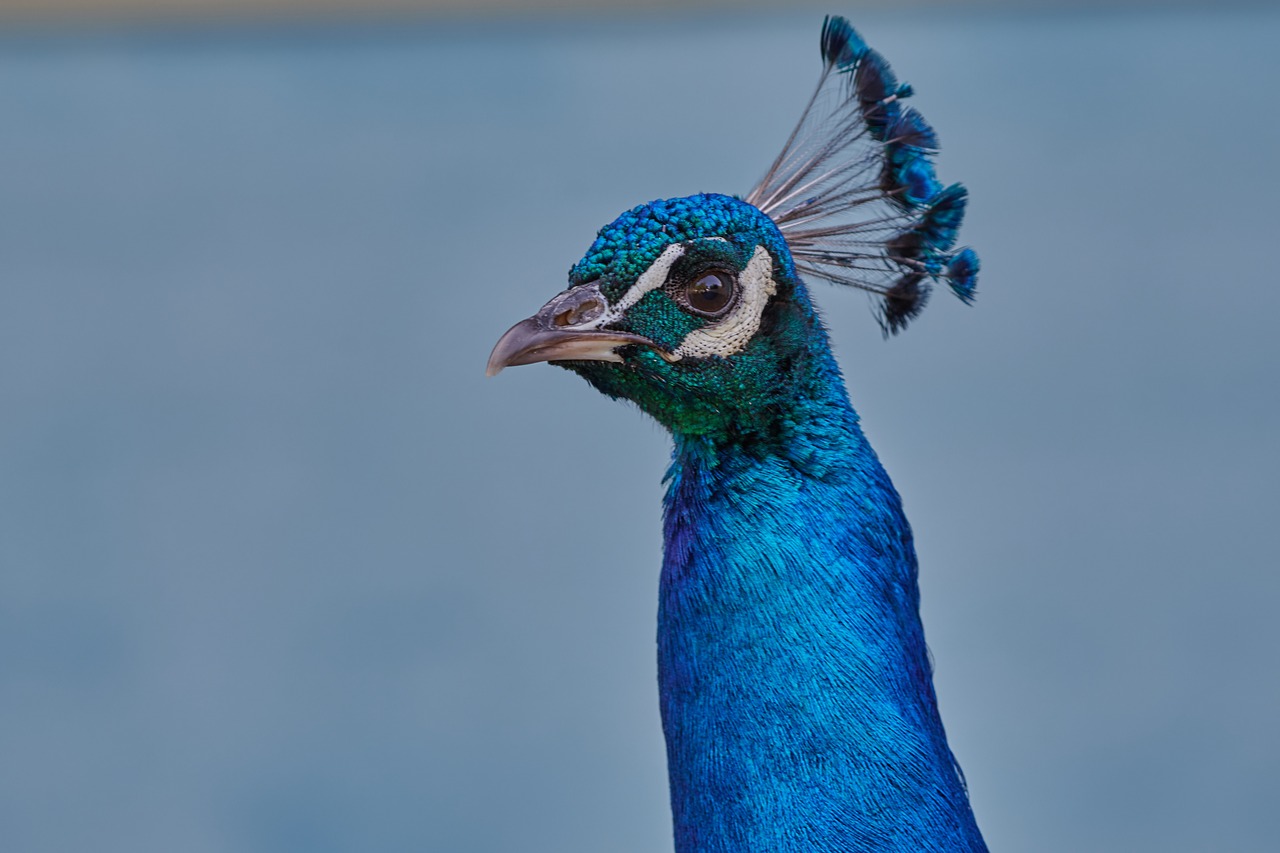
(281, 571)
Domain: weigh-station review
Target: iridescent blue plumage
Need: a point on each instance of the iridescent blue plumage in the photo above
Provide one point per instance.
(626, 247)
(962, 274)
(796, 690)
(840, 43)
(908, 170)
(795, 683)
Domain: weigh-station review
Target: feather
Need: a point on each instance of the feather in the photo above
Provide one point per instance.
(875, 87)
(930, 238)
(962, 274)
(854, 190)
(903, 301)
(842, 47)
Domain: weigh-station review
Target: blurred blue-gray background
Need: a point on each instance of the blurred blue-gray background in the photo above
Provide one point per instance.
(281, 571)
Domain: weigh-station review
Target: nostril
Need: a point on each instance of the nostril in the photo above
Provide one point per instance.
(587, 311)
(583, 312)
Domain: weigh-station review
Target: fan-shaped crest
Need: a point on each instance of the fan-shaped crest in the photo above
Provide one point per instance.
(854, 190)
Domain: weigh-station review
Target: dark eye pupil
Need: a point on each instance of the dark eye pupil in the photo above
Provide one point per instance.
(710, 293)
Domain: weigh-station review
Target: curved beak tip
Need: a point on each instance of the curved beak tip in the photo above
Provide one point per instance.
(531, 341)
(514, 343)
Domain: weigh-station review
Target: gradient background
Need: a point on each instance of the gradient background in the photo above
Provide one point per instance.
(281, 571)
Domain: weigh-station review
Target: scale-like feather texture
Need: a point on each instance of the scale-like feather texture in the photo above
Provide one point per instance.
(797, 696)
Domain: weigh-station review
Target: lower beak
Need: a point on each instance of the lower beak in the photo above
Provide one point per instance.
(531, 341)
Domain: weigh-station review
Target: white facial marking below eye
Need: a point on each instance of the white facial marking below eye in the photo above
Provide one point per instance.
(732, 334)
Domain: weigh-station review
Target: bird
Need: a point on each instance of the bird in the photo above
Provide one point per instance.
(795, 687)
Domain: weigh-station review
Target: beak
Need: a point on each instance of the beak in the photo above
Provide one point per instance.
(565, 330)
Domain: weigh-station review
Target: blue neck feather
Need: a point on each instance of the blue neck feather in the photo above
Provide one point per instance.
(797, 696)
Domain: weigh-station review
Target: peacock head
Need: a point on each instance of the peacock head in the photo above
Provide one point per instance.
(689, 307)
(693, 307)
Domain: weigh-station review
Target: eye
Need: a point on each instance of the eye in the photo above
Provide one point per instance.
(710, 293)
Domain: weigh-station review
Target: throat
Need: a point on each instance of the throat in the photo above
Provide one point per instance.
(797, 698)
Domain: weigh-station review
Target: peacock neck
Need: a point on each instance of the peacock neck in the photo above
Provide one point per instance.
(797, 698)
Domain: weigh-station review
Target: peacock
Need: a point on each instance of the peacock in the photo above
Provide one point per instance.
(796, 690)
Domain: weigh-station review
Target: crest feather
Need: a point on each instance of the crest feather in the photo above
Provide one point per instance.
(854, 190)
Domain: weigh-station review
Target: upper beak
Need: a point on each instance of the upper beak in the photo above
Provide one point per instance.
(564, 330)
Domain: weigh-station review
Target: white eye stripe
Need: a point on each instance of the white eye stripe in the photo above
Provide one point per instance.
(734, 332)
(723, 338)
(651, 279)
